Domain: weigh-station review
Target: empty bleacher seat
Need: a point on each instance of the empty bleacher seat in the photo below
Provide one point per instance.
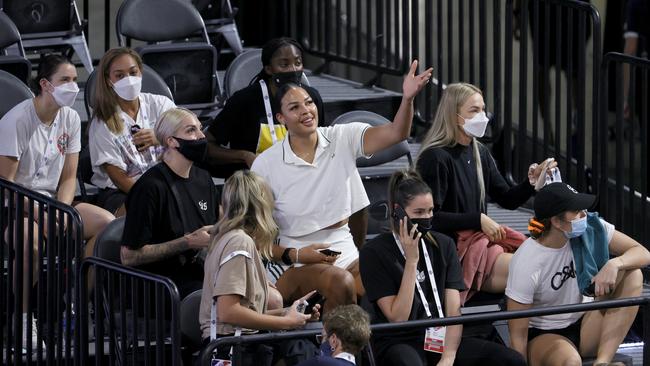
(16, 65)
(188, 68)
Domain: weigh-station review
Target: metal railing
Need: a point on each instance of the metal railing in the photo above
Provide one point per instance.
(40, 251)
(486, 43)
(625, 174)
(206, 354)
(137, 313)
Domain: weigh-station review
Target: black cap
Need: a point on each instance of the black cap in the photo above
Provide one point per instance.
(558, 197)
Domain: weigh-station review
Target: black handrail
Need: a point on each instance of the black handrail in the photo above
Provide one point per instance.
(624, 198)
(58, 246)
(150, 281)
(453, 36)
(206, 353)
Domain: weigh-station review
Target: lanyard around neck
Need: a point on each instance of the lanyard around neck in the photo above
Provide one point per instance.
(432, 279)
(268, 110)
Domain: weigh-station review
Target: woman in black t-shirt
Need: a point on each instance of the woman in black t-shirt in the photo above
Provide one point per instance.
(244, 125)
(172, 206)
(395, 272)
(461, 173)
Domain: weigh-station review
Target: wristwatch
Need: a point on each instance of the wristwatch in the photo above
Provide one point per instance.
(286, 259)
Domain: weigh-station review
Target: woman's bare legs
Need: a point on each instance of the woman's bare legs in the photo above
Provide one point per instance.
(353, 268)
(603, 330)
(335, 284)
(496, 281)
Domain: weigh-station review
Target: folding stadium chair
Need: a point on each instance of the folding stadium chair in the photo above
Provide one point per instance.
(220, 20)
(109, 242)
(49, 23)
(188, 68)
(16, 65)
(190, 327)
(12, 92)
(375, 178)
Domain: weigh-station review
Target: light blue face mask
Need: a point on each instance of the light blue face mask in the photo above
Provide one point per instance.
(578, 227)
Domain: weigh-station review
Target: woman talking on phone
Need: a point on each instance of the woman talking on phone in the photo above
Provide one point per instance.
(413, 273)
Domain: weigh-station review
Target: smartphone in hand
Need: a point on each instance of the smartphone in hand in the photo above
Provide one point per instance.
(399, 214)
(314, 299)
(329, 252)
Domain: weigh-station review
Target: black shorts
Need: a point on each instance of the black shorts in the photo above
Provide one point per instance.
(572, 332)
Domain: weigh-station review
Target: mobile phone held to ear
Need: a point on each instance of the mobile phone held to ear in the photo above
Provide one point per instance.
(398, 214)
(329, 252)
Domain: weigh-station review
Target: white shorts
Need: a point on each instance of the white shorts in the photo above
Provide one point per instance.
(340, 240)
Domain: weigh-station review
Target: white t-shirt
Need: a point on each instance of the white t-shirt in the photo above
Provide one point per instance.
(310, 197)
(39, 148)
(118, 149)
(544, 276)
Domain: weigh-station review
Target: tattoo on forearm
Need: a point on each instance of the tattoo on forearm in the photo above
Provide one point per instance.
(155, 252)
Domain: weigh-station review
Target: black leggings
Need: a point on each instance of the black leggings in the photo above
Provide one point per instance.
(471, 352)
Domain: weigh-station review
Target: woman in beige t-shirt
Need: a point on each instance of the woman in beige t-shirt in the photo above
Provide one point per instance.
(235, 289)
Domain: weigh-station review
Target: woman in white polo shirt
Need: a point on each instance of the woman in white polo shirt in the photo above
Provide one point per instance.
(40, 143)
(121, 139)
(316, 186)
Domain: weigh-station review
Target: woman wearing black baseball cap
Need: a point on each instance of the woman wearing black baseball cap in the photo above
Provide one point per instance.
(567, 261)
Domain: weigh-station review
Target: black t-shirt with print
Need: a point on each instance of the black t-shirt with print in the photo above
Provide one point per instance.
(154, 216)
(238, 124)
(382, 265)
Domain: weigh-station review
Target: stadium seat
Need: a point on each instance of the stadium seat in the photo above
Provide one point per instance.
(220, 21)
(16, 65)
(12, 92)
(188, 68)
(375, 178)
(190, 328)
(46, 24)
(109, 241)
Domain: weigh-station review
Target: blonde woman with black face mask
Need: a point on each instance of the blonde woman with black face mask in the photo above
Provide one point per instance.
(461, 173)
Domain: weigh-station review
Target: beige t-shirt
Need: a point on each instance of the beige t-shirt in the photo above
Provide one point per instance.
(233, 267)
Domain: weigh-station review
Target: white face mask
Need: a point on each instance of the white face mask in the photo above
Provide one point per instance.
(65, 94)
(476, 125)
(128, 88)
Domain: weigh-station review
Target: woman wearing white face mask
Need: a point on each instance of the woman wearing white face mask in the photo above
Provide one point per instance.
(568, 256)
(461, 173)
(121, 139)
(40, 143)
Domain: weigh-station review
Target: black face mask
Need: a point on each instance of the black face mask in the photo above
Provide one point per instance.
(424, 224)
(281, 78)
(193, 150)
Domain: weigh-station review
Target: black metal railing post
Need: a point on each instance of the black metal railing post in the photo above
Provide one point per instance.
(644, 301)
(122, 312)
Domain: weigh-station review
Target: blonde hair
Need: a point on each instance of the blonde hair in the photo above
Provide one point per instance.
(105, 99)
(169, 122)
(445, 130)
(247, 203)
